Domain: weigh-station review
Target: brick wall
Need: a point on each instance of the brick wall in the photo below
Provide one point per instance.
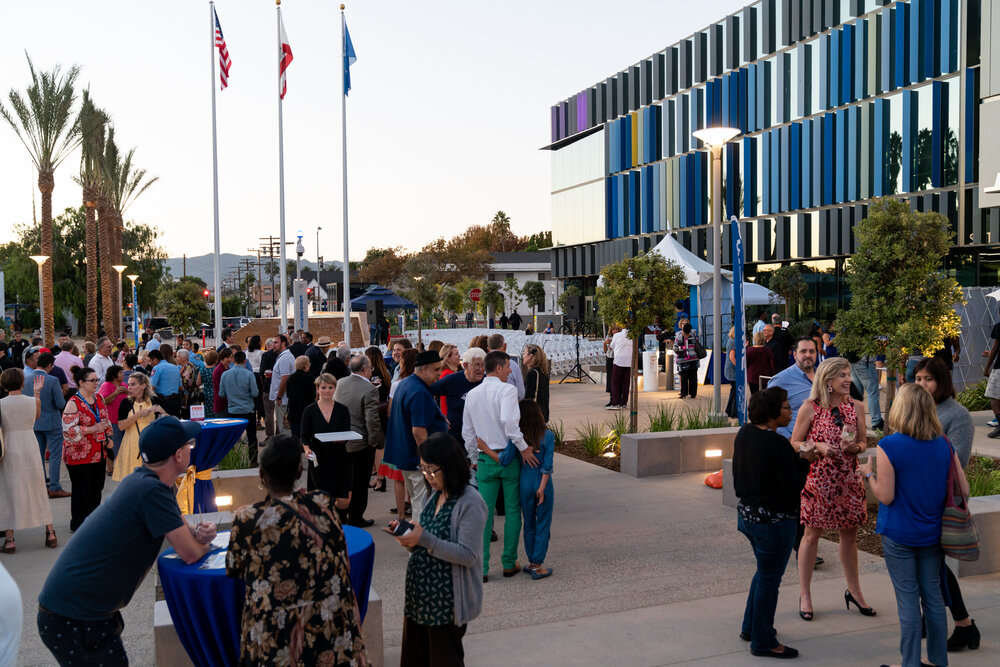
(266, 327)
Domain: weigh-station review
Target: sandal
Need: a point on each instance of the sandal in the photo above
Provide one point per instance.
(8, 546)
(378, 485)
(50, 539)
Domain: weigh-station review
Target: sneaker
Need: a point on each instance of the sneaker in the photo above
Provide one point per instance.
(609, 406)
(995, 433)
(992, 422)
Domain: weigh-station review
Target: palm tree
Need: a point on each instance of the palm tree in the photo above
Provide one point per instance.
(92, 122)
(105, 233)
(43, 120)
(125, 184)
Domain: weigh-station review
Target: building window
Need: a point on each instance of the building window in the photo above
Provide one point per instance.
(492, 277)
(542, 275)
(509, 275)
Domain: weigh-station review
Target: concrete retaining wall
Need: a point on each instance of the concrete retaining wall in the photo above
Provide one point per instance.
(675, 452)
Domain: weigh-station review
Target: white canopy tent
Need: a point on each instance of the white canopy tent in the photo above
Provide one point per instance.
(758, 295)
(698, 274)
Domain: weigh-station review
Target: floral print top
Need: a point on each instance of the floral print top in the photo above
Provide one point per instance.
(300, 608)
(208, 395)
(430, 592)
(80, 447)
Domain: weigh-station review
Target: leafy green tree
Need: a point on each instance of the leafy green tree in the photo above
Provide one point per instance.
(491, 298)
(465, 288)
(787, 282)
(539, 241)
(534, 294)
(184, 306)
(232, 306)
(452, 300)
(512, 294)
(902, 302)
(636, 290)
(383, 266)
(44, 121)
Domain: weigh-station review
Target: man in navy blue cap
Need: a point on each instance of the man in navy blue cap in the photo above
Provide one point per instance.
(100, 569)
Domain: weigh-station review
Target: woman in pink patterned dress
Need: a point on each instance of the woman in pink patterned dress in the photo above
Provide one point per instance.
(834, 495)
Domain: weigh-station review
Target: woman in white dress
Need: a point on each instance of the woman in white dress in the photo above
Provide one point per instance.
(23, 501)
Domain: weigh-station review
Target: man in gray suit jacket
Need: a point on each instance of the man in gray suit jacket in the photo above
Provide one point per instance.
(48, 426)
(361, 398)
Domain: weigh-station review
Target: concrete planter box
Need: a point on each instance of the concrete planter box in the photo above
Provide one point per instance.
(729, 498)
(986, 512)
(676, 452)
(245, 486)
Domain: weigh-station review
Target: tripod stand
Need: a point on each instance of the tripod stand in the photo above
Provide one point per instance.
(576, 372)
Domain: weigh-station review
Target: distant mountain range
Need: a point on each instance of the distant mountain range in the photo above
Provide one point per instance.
(203, 266)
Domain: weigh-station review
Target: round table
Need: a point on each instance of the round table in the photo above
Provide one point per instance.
(207, 606)
(216, 438)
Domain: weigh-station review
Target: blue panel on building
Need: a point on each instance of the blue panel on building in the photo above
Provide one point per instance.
(683, 166)
(632, 209)
(836, 63)
(879, 126)
(840, 193)
(784, 163)
(824, 73)
(646, 201)
(700, 197)
(828, 165)
(949, 36)
(847, 64)
(751, 99)
(915, 40)
(901, 24)
(971, 102)
(749, 177)
(888, 74)
(732, 159)
(806, 173)
(765, 172)
(817, 160)
(793, 167)
(861, 38)
(725, 88)
(909, 134)
(931, 66)
(853, 122)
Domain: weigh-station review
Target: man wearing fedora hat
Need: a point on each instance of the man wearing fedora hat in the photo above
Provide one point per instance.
(100, 569)
(414, 416)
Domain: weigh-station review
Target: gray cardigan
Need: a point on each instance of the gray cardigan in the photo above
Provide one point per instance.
(957, 424)
(464, 552)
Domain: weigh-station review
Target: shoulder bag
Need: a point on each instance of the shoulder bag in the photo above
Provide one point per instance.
(699, 349)
(959, 536)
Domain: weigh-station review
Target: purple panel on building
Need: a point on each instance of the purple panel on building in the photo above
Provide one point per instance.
(582, 122)
(555, 123)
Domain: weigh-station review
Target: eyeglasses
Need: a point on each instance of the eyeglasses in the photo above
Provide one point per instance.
(837, 419)
(430, 473)
(89, 380)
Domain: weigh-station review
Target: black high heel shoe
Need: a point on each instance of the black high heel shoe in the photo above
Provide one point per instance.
(804, 615)
(865, 611)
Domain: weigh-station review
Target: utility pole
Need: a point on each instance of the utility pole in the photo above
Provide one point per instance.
(185, 265)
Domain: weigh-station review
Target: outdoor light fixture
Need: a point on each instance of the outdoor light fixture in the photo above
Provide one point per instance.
(223, 501)
(715, 138)
(120, 268)
(713, 453)
(135, 310)
(41, 259)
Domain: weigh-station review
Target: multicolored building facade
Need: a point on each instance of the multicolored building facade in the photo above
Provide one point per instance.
(837, 103)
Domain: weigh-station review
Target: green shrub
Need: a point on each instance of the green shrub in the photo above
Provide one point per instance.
(559, 431)
(238, 458)
(662, 419)
(617, 426)
(593, 438)
(983, 476)
(974, 398)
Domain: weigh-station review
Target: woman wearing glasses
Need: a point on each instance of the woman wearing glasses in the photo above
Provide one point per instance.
(86, 439)
(443, 588)
(834, 495)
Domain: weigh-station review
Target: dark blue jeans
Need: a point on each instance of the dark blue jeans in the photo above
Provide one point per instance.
(916, 575)
(75, 642)
(772, 544)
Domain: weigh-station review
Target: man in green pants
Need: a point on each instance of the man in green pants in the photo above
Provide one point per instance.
(489, 423)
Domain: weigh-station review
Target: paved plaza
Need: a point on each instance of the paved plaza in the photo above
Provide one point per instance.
(647, 572)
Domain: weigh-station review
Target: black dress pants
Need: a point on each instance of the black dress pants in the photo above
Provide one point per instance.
(432, 645)
(88, 482)
(361, 474)
(689, 381)
(251, 418)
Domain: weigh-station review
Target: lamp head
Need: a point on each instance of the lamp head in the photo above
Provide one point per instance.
(119, 268)
(716, 136)
(40, 259)
(132, 276)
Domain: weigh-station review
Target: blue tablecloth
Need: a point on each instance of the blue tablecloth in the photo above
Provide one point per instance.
(207, 606)
(216, 438)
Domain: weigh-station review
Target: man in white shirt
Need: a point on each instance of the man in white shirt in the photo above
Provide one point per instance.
(621, 371)
(284, 366)
(491, 417)
(101, 361)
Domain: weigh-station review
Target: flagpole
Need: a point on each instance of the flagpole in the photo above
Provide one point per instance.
(281, 189)
(343, 117)
(215, 182)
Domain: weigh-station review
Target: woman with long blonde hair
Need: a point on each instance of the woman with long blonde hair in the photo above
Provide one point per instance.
(536, 381)
(834, 495)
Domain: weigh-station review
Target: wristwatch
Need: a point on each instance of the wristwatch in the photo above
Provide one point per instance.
(869, 475)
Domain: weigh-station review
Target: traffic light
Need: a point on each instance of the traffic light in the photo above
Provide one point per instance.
(205, 293)
(309, 291)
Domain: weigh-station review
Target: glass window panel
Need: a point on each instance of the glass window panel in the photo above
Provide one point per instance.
(922, 146)
(812, 220)
(895, 149)
(951, 136)
(817, 80)
(792, 86)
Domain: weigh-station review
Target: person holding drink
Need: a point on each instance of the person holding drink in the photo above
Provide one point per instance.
(834, 496)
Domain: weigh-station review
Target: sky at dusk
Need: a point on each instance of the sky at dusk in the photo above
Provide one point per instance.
(448, 108)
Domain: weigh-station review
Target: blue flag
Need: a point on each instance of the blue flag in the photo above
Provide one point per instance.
(738, 321)
(349, 59)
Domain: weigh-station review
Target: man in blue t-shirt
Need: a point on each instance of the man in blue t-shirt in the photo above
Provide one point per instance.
(166, 381)
(100, 569)
(414, 416)
(455, 386)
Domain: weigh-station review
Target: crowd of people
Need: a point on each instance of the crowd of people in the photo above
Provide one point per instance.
(798, 471)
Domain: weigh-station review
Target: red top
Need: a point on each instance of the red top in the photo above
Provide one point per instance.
(760, 361)
(79, 447)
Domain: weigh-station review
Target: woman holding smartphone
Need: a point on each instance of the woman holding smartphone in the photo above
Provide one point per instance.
(443, 589)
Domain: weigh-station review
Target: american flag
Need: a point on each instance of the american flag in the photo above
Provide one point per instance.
(224, 62)
(284, 57)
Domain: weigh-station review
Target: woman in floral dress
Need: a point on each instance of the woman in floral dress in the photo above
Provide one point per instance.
(834, 495)
(290, 550)
(207, 389)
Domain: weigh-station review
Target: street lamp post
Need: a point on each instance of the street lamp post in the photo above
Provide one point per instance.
(135, 311)
(319, 266)
(420, 331)
(41, 259)
(715, 138)
(120, 268)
